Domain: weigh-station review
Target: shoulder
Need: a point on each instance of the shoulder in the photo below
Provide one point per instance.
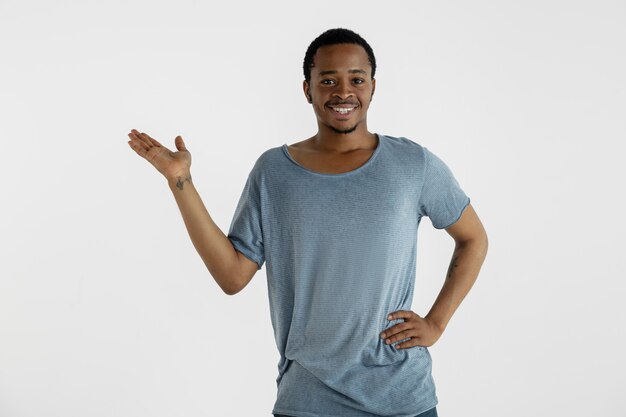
(267, 157)
(405, 148)
(267, 161)
(404, 144)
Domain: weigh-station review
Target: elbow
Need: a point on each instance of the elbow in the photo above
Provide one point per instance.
(229, 285)
(482, 241)
(483, 244)
(485, 241)
(478, 243)
(236, 278)
(231, 289)
(230, 292)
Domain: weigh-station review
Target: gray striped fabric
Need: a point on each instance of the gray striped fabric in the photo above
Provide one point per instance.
(340, 255)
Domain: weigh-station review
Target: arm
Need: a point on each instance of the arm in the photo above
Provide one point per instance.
(468, 257)
(469, 253)
(231, 270)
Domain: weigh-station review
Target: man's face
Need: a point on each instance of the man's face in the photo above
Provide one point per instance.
(341, 87)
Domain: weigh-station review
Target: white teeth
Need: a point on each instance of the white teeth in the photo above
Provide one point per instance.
(343, 110)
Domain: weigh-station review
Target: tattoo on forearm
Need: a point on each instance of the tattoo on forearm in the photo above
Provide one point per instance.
(453, 265)
(181, 181)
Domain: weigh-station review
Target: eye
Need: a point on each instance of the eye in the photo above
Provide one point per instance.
(327, 81)
(358, 80)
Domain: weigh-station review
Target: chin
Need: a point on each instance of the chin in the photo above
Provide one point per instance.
(343, 131)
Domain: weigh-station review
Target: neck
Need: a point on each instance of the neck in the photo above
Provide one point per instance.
(328, 140)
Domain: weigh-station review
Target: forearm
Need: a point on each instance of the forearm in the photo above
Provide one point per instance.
(465, 265)
(213, 246)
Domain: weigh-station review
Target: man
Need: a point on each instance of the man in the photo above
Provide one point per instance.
(336, 218)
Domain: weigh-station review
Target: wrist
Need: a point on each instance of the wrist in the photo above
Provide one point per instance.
(179, 180)
(438, 325)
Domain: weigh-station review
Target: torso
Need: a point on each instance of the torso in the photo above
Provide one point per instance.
(328, 163)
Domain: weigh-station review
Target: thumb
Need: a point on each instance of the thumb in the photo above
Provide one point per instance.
(180, 145)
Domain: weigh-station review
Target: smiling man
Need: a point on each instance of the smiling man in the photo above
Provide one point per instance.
(335, 217)
(342, 94)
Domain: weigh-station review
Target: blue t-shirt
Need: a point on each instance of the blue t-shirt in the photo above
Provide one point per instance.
(341, 252)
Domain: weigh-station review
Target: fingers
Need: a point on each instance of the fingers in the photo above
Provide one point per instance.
(400, 336)
(145, 141)
(413, 331)
(401, 330)
(180, 145)
(138, 147)
(152, 141)
(143, 144)
(139, 142)
(143, 138)
(401, 314)
(398, 328)
(409, 343)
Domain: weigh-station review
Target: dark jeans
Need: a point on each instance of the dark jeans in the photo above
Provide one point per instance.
(430, 413)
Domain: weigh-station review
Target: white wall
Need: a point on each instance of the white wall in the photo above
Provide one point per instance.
(107, 310)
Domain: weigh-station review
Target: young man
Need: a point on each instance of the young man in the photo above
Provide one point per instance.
(336, 218)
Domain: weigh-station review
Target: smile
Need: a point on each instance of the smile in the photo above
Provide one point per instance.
(343, 110)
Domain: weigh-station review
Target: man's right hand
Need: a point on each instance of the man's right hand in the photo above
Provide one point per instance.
(171, 164)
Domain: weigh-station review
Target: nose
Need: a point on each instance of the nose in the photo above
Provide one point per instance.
(343, 90)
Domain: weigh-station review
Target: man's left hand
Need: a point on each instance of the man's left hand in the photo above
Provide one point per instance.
(422, 331)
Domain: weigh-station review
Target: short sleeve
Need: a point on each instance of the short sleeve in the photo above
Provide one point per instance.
(441, 199)
(245, 232)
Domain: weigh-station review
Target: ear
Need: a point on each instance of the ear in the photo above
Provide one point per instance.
(305, 87)
(373, 88)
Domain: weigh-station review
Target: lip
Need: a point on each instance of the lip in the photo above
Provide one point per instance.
(340, 116)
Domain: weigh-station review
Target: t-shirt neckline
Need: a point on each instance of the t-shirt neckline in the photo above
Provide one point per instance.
(341, 174)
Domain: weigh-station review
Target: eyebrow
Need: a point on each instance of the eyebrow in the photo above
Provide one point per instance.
(352, 71)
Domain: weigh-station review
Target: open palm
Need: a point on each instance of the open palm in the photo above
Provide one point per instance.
(170, 164)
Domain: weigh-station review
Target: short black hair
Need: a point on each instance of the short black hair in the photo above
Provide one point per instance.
(332, 37)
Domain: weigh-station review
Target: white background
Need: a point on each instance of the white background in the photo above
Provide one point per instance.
(107, 310)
